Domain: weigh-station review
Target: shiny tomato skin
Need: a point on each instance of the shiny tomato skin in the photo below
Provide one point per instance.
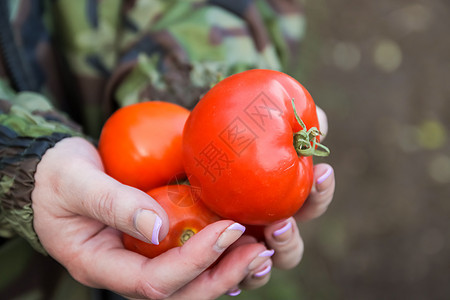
(187, 215)
(238, 147)
(140, 144)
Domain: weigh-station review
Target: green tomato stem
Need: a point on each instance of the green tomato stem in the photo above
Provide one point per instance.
(304, 138)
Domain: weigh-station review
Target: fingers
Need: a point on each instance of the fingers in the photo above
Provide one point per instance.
(201, 251)
(321, 194)
(258, 271)
(323, 122)
(122, 207)
(246, 266)
(136, 276)
(71, 176)
(284, 238)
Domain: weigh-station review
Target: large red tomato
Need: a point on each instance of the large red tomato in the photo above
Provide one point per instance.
(140, 144)
(241, 146)
(187, 216)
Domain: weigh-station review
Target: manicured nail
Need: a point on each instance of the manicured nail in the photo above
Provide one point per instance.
(284, 233)
(263, 272)
(148, 224)
(324, 177)
(260, 259)
(234, 292)
(282, 229)
(266, 253)
(323, 122)
(229, 236)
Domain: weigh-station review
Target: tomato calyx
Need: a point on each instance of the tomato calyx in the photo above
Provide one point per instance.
(304, 138)
(186, 235)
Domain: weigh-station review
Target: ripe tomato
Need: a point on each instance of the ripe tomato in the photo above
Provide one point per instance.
(240, 146)
(140, 144)
(187, 216)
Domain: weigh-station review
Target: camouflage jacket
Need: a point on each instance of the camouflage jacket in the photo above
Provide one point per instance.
(65, 66)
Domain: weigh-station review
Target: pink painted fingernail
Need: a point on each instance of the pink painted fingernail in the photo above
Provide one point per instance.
(324, 177)
(267, 253)
(156, 229)
(148, 223)
(282, 229)
(260, 259)
(263, 272)
(234, 292)
(229, 236)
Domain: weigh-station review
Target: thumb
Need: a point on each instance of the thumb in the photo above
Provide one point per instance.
(123, 207)
(70, 180)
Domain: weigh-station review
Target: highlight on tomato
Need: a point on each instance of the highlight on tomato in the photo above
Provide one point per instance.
(248, 146)
(140, 144)
(187, 216)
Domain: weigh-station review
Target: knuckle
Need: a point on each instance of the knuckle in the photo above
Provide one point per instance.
(148, 290)
(200, 265)
(228, 282)
(76, 269)
(290, 256)
(197, 263)
(100, 205)
(104, 207)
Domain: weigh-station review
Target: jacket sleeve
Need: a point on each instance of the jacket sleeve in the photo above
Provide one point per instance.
(178, 55)
(28, 127)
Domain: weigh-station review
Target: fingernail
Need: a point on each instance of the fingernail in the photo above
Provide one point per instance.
(260, 259)
(229, 236)
(324, 177)
(284, 233)
(323, 122)
(148, 224)
(263, 272)
(234, 292)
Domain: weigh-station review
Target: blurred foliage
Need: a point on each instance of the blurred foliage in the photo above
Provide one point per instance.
(380, 70)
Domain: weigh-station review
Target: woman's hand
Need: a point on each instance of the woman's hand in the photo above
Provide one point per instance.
(79, 212)
(283, 237)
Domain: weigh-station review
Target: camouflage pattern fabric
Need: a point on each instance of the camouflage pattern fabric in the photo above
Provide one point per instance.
(66, 65)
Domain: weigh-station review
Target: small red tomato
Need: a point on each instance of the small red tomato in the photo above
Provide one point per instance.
(140, 144)
(246, 146)
(187, 216)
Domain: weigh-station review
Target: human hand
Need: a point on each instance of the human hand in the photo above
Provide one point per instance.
(284, 237)
(79, 212)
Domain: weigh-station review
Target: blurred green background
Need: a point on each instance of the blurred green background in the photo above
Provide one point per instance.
(381, 71)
